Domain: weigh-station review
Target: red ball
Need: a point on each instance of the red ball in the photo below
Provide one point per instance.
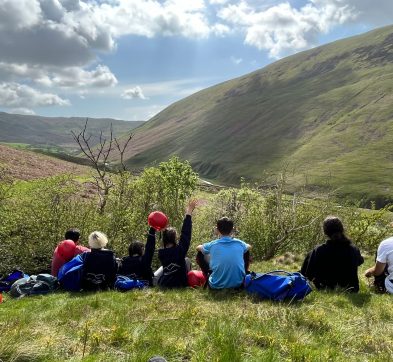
(158, 220)
(66, 249)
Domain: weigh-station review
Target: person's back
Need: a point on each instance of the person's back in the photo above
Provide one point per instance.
(66, 250)
(138, 264)
(99, 265)
(173, 260)
(173, 255)
(227, 261)
(334, 263)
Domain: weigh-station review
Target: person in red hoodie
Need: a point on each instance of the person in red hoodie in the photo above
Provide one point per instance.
(66, 250)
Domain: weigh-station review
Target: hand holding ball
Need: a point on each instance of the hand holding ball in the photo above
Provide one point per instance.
(157, 220)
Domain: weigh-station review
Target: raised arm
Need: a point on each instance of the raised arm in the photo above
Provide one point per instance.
(150, 247)
(186, 230)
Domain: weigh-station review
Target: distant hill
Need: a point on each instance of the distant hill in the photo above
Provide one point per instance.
(55, 132)
(27, 165)
(327, 112)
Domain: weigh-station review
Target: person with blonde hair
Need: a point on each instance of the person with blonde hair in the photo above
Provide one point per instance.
(99, 265)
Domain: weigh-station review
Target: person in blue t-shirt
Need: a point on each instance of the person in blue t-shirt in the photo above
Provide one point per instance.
(225, 259)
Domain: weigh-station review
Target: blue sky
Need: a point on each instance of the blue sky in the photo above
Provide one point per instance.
(129, 59)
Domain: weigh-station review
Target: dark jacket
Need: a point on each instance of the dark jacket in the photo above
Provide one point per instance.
(139, 267)
(99, 269)
(333, 264)
(173, 259)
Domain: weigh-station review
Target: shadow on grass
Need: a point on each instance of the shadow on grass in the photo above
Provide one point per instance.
(220, 295)
(359, 299)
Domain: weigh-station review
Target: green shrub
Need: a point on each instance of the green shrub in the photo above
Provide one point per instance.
(34, 215)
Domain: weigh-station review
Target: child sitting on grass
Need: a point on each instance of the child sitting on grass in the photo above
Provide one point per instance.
(334, 263)
(225, 259)
(175, 265)
(99, 265)
(137, 265)
(66, 250)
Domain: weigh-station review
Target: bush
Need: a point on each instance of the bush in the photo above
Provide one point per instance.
(34, 215)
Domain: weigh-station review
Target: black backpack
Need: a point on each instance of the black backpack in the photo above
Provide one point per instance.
(99, 269)
(34, 285)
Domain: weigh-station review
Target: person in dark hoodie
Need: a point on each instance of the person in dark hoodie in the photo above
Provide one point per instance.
(334, 263)
(137, 265)
(172, 256)
(99, 265)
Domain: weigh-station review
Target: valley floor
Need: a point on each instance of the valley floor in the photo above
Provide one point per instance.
(197, 325)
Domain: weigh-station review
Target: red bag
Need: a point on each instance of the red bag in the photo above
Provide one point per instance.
(195, 278)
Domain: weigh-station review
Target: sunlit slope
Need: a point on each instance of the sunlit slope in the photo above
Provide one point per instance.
(328, 112)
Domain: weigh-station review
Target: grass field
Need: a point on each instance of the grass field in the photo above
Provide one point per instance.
(197, 325)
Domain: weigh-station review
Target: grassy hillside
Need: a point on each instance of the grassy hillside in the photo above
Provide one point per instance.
(327, 112)
(27, 165)
(54, 134)
(196, 325)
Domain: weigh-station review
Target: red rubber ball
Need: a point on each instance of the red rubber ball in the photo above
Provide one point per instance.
(158, 220)
(66, 249)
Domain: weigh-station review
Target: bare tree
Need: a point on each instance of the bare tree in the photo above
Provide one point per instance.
(99, 155)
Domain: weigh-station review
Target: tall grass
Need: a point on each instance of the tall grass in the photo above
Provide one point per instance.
(197, 325)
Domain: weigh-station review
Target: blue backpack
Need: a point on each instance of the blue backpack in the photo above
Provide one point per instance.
(70, 274)
(124, 283)
(277, 285)
(11, 278)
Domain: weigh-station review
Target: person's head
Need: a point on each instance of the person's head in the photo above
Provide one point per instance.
(136, 248)
(334, 229)
(73, 234)
(97, 240)
(169, 236)
(224, 226)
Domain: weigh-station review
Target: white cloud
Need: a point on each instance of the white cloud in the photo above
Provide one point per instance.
(220, 30)
(218, 2)
(26, 111)
(100, 77)
(22, 96)
(46, 33)
(133, 93)
(68, 77)
(150, 18)
(19, 14)
(235, 60)
(283, 29)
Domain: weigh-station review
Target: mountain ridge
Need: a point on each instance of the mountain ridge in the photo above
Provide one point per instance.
(326, 111)
(55, 132)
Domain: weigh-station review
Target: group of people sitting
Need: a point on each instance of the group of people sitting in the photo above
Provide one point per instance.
(224, 262)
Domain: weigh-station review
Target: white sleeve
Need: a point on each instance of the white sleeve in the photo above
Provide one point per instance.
(383, 251)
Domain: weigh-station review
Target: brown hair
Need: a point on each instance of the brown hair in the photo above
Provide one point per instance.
(225, 225)
(169, 236)
(334, 230)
